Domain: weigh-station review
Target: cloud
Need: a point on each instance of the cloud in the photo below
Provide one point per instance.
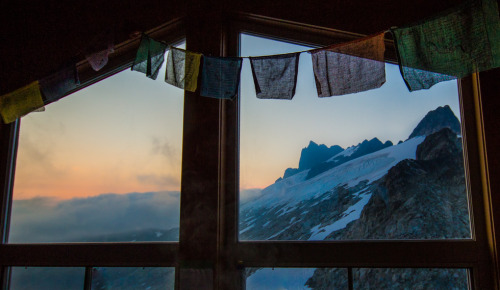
(39, 220)
(159, 180)
(249, 194)
(164, 149)
(33, 154)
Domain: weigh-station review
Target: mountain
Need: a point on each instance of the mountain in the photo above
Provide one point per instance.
(413, 190)
(311, 156)
(423, 198)
(320, 158)
(366, 147)
(435, 120)
(314, 154)
(298, 208)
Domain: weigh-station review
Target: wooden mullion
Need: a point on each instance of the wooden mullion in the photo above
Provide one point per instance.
(454, 254)
(84, 254)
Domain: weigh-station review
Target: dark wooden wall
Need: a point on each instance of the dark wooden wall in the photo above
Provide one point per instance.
(39, 36)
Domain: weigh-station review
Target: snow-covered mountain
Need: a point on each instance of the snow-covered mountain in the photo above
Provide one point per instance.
(310, 209)
(373, 190)
(316, 202)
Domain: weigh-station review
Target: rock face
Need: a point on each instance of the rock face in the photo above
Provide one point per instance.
(364, 148)
(374, 190)
(435, 120)
(443, 144)
(290, 171)
(417, 199)
(314, 154)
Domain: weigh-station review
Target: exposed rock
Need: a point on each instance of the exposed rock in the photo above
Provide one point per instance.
(310, 156)
(442, 144)
(314, 154)
(417, 199)
(366, 147)
(291, 171)
(440, 118)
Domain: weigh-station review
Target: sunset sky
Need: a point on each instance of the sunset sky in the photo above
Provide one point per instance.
(121, 135)
(124, 134)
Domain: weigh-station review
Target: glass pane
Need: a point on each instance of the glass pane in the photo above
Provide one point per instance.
(132, 278)
(410, 278)
(380, 164)
(47, 278)
(295, 278)
(101, 165)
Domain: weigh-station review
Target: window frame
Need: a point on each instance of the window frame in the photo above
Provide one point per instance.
(88, 255)
(473, 254)
(212, 182)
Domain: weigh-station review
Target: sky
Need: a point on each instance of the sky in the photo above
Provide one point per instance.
(273, 132)
(124, 134)
(121, 135)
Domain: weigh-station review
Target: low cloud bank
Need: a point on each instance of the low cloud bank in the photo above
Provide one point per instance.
(39, 220)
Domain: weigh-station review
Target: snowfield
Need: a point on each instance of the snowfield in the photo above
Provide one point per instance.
(371, 167)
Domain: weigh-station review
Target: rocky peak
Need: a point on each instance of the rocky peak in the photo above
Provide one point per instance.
(439, 145)
(314, 154)
(363, 148)
(442, 117)
(373, 145)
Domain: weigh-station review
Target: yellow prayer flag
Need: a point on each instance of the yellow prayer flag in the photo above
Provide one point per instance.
(192, 71)
(20, 102)
(183, 68)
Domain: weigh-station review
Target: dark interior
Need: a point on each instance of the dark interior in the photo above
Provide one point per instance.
(38, 37)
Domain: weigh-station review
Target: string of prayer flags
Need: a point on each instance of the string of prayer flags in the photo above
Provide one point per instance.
(275, 76)
(463, 41)
(220, 77)
(349, 68)
(149, 57)
(57, 85)
(99, 59)
(21, 102)
(183, 69)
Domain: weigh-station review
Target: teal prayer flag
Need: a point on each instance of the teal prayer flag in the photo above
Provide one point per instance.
(149, 57)
(458, 43)
(220, 77)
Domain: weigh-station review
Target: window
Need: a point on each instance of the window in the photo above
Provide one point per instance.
(370, 260)
(210, 252)
(102, 165)
(313, 164)
(366, 189)
(97, 183)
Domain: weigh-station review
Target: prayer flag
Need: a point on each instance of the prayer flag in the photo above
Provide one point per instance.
(220, 77)
(56, 86)
(99, 59)
(183, 69)
(351, 67)
(417, 79)
(275, 76)
(20, 102)
(149, 57)
(464, 40)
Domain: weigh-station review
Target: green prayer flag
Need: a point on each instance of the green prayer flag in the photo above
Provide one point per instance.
(458, 43)
(149, 57)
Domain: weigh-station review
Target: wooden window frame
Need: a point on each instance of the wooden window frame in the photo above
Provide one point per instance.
(208, 237)
(475, 254)
(88, 255)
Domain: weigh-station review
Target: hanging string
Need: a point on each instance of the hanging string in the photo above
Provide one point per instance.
(300, 51)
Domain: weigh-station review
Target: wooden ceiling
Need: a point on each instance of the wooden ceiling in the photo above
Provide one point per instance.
(39, 36)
